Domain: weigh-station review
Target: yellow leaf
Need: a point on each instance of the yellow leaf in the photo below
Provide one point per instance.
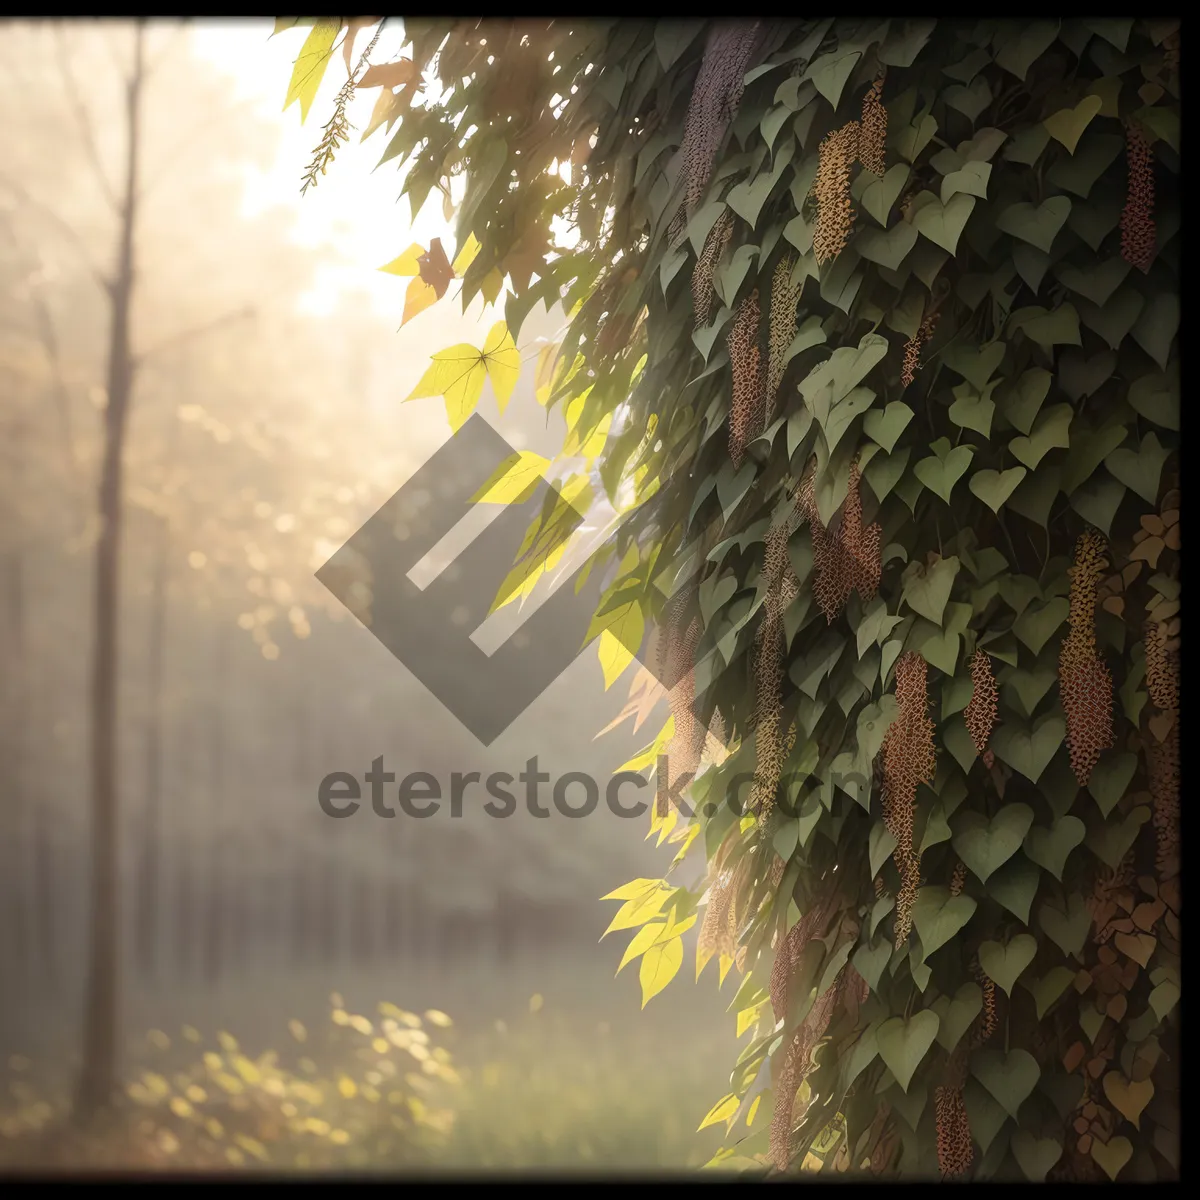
(543, 377)
(749, 1017)
(593, 445)
(649, 756)
(310, 65)
(634, 890)
(466, 256)
(503, 362)
(723, 965)
(660, 964)
(407, 263)
(513, 480)
(493, 281)
(689, 836)
(417, 299)
(724, 1110)
(641, 942)
(620, 641)
(637, 912)
(676, 928)
(753, 1109)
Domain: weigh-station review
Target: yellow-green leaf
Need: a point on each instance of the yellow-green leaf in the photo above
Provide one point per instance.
(310, 65)
(660, 964)
(641, 942)
(635, 889)
(466, 256)
(407, 263)
(725, 1109)
(417, 299)
(620, 641)
(513, 480)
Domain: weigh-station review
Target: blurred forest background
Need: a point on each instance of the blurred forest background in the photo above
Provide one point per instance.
(264, 427)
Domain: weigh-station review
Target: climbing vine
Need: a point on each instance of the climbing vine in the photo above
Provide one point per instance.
(873, 328)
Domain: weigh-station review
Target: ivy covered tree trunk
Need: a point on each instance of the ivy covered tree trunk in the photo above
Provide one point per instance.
(876, 322)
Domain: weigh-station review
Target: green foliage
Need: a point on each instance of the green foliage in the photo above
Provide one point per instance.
(977, 340)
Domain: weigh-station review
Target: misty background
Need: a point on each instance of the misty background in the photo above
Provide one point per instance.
(266, 424)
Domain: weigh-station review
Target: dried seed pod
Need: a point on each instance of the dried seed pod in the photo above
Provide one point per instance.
(980, 714)
(954, 1149)
(835, 215)
(909, 759)
(958, 880)
(912, 349)
(747, 411)
(716, 95)
(1138, 233)
(872, 140)
(785, 295)
(1085, 684)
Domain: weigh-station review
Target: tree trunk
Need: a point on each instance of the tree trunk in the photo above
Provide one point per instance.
(214, 899)
(97, 1081)
(150, 850)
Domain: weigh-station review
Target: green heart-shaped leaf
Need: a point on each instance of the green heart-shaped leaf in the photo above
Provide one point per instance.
(903, 1044)
(943, 224)
(1029, 751)
(938, 916)
(976, 364)
(1050, 431)
(1097, 501)
(940, 473)
(938, 647)
(995, 487)
(1009, 1078)
(1055, 327)
(881, 843)
(886, 425)
(1110, 780)
(1156, 397)
(1111, 842)
(1015, 885)
(1021, 400)
(1050, 848)
(1022, 44)
(830, 72)
(986, 845)
(971, 178)
(986, 1117)
(1067, 930)
(1140, 470)
(1003, 964)
(1157, 326)
(927, 589)
(972, 410)
(1079, 173)
(1048, 989)
(880, 195)
(1067, 125)
(1113, 1155)
(1098, 282)
(1038, 226)
(1037, 624)
(870, 959)
(1035, 1156)
(888, 247)
(957, 1014)
(1027, 687)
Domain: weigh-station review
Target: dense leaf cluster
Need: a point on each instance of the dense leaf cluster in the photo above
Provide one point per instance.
(920, 277)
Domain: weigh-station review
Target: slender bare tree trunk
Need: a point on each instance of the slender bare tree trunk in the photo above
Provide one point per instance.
(150, 849)
(98, 1078)
(214, 901)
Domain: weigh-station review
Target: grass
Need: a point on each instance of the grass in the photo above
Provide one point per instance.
(388, 1090)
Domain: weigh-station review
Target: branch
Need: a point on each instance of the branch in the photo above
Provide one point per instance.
(195, 331)
(72, 235)
(79, 111)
